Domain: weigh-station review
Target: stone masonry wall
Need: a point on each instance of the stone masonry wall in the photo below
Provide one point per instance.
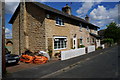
(29, 29)
(35, 27)
(37, 31)
(68, 30)
(15, 35)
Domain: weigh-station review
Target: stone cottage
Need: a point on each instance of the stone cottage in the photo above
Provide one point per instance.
(39, 27)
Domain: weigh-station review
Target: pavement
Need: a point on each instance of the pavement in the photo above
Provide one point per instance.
(49, 69)
(11, 68)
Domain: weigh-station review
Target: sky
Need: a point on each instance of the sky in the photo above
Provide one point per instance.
(100, 13)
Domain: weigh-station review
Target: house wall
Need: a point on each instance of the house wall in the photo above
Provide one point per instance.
(29, 29)
(35, 27)
(93, 31)
(15, 35)
(35, 32)
(68, 30)
(98, 43)
(55, 30)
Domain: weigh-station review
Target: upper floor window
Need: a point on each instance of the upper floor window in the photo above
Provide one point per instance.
(47, 15)
(80, 25)
(88, 29)
(59, 21)
(95, 29)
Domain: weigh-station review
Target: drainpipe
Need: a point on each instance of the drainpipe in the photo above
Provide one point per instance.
(2, 40)
(19, 36)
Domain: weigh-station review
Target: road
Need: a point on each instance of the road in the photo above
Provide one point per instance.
(104, 65)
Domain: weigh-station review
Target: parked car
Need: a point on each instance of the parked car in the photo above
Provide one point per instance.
(11, 58)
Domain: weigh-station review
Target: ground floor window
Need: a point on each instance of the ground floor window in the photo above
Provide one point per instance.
(93, 40)
(81, 41)
(97, 40)
(88, 40)
(60, 42)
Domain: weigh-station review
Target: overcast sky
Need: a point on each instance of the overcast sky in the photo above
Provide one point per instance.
(100, 13)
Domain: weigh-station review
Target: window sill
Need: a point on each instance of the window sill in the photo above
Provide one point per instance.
(59, 25)
(80, 30)
(60, 49)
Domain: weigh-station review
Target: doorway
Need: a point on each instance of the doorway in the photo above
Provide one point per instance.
(75, 43)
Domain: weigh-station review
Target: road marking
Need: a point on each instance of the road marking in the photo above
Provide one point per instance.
(72, 66)
(88, 59)
(101, 53)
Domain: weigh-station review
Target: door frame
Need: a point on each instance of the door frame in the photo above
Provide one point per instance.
(75, 43)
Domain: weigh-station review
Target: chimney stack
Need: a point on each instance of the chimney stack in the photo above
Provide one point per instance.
(87, 18)
(67, 9)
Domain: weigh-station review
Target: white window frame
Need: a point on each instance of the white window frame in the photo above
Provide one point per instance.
(88, 40)
(88, 29)
(47, 15)
(59, 37)
(60, 21)
(81, 38)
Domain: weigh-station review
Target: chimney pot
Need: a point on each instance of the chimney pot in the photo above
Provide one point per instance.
(67, 9)
(87, 18)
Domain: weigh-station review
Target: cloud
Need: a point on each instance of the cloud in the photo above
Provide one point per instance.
(10, 7)
(82, 11)
(7, 30)
(86, 7)
(102, 16)
(8, 33)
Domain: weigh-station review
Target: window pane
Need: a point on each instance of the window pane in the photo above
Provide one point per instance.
(62, 22)
(59, 43)
(62, 44)
(80, 41)
(59, 21)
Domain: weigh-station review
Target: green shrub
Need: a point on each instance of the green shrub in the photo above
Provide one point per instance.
(50, 53)
(81, 46)
(108, 40)
(98, 48)
(73, 48)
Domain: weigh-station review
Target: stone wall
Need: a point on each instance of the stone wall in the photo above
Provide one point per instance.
(29, 29)
(15, 34)
(32, 30)
(35, 27)
(68, 30)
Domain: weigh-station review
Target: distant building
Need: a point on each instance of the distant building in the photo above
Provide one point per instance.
(101, 33)
(9, 45)
(39, 27)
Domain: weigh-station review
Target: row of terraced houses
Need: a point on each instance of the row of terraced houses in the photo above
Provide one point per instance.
(39, 27)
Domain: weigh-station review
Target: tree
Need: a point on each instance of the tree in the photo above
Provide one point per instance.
(113, 32)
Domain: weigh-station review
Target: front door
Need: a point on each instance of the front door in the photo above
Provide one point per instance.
(75, 43)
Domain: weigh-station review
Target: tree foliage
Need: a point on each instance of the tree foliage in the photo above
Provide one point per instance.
(112, 32)
(108, 40)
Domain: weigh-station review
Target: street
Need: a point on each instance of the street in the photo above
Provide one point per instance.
(98, 64)
(104, 65)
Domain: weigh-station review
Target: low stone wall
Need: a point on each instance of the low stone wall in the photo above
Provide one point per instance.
(90, 48)
(72, 53)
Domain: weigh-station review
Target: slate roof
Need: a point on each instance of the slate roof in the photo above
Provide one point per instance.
(48, 8)
(94, 35)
